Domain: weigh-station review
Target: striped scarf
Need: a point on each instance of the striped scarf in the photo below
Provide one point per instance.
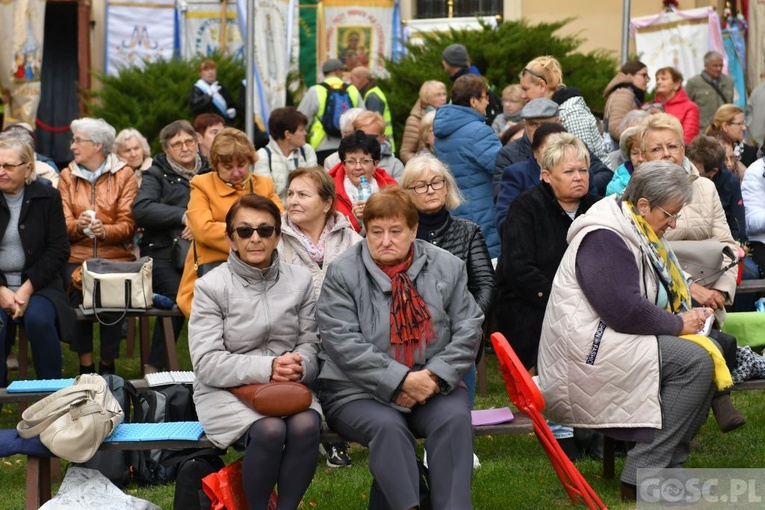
(411, 325)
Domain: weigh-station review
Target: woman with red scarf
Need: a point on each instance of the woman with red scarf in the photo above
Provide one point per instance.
(400, 329)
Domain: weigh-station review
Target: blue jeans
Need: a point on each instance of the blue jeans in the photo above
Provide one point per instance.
(40, 323)
(469, 381)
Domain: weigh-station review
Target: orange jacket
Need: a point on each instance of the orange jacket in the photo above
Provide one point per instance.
(112, 199)
(210, 200)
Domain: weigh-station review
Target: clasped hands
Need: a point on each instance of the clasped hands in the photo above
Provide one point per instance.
(417, 388)
(96, 225)
(15, 303)
(287, 367)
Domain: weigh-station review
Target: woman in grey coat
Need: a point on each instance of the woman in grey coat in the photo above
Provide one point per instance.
(399, 330)
(252, 322)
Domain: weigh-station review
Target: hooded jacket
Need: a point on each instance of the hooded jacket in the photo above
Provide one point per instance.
(621, 97)
(411, 143)
(579, 120)
(620, 388)
(681, 106)
(469, 147)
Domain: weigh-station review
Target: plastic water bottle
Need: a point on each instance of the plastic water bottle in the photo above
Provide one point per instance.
(365, 190)
(760, 305)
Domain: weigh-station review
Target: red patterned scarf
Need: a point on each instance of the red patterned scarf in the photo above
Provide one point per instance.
(411, 325)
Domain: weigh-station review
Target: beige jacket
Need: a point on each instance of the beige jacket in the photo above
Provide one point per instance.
(411, 143)
(704, 218)
(619, 101)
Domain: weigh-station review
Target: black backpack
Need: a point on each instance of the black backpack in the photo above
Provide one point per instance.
(338, 102)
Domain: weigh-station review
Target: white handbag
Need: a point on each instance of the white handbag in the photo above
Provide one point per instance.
(117, 285)
(73, 422)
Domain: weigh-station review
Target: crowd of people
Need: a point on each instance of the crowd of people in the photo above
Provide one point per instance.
(326, 257)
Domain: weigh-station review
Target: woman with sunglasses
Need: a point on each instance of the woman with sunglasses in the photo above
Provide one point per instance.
(469, 148)
(160, 209)
(252, 322)
(543, 77)
(359, 156)
(97, 191)
(232, 156)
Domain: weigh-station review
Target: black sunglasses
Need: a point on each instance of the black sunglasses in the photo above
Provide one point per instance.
(264, 231)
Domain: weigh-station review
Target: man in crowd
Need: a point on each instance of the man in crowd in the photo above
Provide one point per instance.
(374, 98)
(456, 63)
(207, 126)
(711, 89)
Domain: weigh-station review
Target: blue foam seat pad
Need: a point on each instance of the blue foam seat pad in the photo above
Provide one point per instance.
(139, 432)
(39, 385)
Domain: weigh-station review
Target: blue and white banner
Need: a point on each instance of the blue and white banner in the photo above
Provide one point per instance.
(277, 45)
(138, 32)
(202, 28)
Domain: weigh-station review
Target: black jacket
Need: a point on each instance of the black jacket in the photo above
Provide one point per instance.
(199, 102)
(463, 239)
(533, 244)
(160, 205)
(42, 229)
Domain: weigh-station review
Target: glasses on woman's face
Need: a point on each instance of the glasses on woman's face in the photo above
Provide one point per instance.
(422, 187)
(10, 166)
(79, 141)
(535, 75)
(189, 144)
(264, 231)
(358, 162)
(658, 150)
(739, 124)
(670, 217)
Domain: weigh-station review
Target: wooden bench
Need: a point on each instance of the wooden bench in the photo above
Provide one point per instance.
(750, 286)
(39, 471)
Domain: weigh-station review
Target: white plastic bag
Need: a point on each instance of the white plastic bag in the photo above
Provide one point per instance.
(88, 489)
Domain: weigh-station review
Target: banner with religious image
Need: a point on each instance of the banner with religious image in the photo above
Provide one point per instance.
(678, 39)
(277, 44)
(202, 28)
(138, 32)
(21, 47)
(358, 32)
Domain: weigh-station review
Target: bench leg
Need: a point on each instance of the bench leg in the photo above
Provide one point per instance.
(169, 333)
(609, 458)
(144, 324)
(481, 375)
(130, 340)
(38, 481)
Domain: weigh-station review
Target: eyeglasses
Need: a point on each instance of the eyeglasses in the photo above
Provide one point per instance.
(535, 75)
(670, 217)
(671, 147)
(742, 123)
(645, 75)
(512, 101)
(10, 166)
(77, 141)
(189, 144)
(264, 231)
(362, 162)
(483, 98)
(422, 187)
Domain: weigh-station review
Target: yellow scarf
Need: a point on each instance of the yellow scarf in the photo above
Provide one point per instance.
(678, 294)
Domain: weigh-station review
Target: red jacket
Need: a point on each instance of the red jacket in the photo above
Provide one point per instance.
(343, 204)
(681, 106)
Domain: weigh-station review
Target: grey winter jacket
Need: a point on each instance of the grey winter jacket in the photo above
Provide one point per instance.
(242, 318)
(353, 314)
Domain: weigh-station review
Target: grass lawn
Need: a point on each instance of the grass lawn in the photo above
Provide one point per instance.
(515, 472)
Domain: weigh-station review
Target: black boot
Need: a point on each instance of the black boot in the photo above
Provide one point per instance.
(88, 369)
(106, 369)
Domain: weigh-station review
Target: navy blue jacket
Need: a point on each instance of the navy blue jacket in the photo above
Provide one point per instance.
(729, 188)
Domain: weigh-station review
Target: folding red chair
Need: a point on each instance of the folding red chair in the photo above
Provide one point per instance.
(525, 395)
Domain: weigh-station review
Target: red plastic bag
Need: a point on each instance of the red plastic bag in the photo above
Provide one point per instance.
(226, 489)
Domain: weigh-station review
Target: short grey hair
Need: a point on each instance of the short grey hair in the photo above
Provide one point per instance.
(632, 118)
(418, 165)
(347, 118)
(711, 55)
(97, 130)
(128, 134)
(24, 149)
(630, 138)
(560, 144)
(659, 182)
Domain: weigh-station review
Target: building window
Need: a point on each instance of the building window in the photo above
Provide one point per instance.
(462, 8)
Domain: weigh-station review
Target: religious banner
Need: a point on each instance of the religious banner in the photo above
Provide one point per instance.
(678, 39)
(309, 29)
(202, 28)
(358, 32)
(735, 47)
(21, 47)
(138, 32)
(755, 68)
(277, 43)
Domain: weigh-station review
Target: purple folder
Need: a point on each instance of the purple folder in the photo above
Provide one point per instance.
(492, 416)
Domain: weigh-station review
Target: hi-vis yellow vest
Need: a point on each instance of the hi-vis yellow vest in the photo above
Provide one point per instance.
(386, 114)
(317, 129)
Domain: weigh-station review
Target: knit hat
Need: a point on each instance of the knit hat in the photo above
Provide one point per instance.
(540, 108)
(332, 65)
(456, 55)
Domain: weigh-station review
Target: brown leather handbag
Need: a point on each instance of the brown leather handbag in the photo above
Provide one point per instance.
(275, 398)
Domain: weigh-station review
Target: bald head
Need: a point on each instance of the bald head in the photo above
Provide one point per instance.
(361, 77)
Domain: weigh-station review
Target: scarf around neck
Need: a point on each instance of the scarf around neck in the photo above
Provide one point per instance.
(411, 325)
(665, 263)
(182, 170)
(315, 251)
